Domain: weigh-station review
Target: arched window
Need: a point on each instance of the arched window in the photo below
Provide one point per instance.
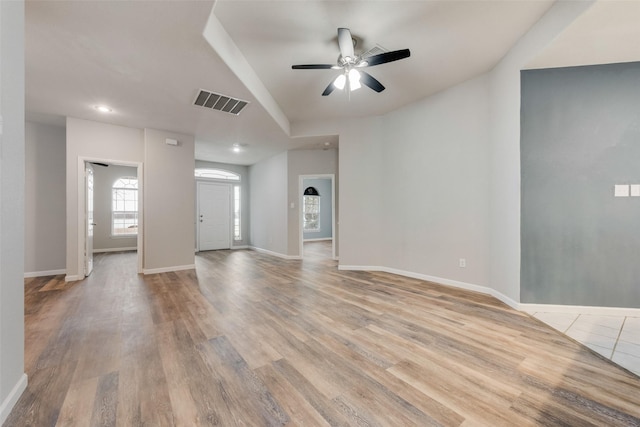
(217, 174)
(124, 207)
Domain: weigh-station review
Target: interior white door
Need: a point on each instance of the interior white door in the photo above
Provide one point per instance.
(214, 216)
(88, 252)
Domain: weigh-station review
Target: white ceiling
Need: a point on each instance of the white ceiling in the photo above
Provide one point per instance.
(147, 59)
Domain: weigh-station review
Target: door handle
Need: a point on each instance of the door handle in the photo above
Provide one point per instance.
(93, 223)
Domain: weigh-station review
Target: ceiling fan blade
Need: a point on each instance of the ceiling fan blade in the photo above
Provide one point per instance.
(312, 67)
(345, 41)
(372, 82)
(383, 58)
(329, 89)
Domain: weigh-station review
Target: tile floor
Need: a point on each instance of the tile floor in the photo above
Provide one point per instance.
(615, 337)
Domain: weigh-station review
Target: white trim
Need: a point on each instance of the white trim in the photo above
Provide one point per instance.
(73, 278)
(12, 398)
(44, 273)
(442, 281)
(131, 248)
(580, 309)
(318, 240)
(168, 269)
(276, 254)
(233, 248)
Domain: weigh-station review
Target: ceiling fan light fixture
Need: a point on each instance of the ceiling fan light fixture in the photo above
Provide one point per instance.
(354, 79)
(340, 81)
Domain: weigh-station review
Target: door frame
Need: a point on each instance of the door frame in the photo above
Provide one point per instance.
(88, 247)
(231, 217)
(81, 243)
(301, 179)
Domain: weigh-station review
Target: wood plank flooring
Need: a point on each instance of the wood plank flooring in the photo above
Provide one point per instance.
(251, 340)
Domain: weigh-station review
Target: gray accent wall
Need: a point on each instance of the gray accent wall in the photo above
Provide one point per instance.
(323, 186)
(45, 199)
(580, 137)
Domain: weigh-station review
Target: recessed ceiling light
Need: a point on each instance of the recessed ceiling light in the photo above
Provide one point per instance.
(236, 148)
(103, 108)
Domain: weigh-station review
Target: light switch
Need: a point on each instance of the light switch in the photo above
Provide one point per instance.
(621, 190)
(293, 205)
(635, 190)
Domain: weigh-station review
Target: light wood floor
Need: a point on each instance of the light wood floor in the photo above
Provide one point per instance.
(251, 340)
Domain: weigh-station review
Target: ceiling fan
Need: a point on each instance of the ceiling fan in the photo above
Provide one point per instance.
(352, 64)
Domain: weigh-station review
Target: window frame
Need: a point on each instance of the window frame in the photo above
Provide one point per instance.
(134, 201)
(316, 220)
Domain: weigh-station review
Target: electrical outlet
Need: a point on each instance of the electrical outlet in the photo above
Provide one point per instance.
(463, 263)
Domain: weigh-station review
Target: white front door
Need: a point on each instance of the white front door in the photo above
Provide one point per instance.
(214, 216)
(88, 252)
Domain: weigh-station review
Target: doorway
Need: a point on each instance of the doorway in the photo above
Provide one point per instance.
(214, 216)
(317, 222)
(86, 215)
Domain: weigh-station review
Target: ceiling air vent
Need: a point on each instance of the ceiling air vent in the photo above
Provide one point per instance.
(219, 102)
(376, 50)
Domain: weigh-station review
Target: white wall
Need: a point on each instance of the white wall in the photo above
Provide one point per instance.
(305, 162)
(97, 141)
(435, 185)
(103, 180)
(169, 202)
(268, 180)
(12, 377)
(361, 201)
(45, 199)
(414, 189)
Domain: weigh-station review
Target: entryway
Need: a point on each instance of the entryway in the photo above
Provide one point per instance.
(214, 216)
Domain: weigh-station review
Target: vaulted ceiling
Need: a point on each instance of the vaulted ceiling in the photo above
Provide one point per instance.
(148, 59)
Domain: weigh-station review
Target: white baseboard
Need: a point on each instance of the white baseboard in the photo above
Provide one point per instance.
(73, 278)
(44, 273)
(580, 309)
(234, 248)
(10, 401)
(320, 239)
(168, 269)
(134, 248)
(442, 281)
(276, 254)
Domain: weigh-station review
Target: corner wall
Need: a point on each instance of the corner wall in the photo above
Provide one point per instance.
(13, 380)
(505, 145)
(269, 208)
(169, 202)
(45, 200)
